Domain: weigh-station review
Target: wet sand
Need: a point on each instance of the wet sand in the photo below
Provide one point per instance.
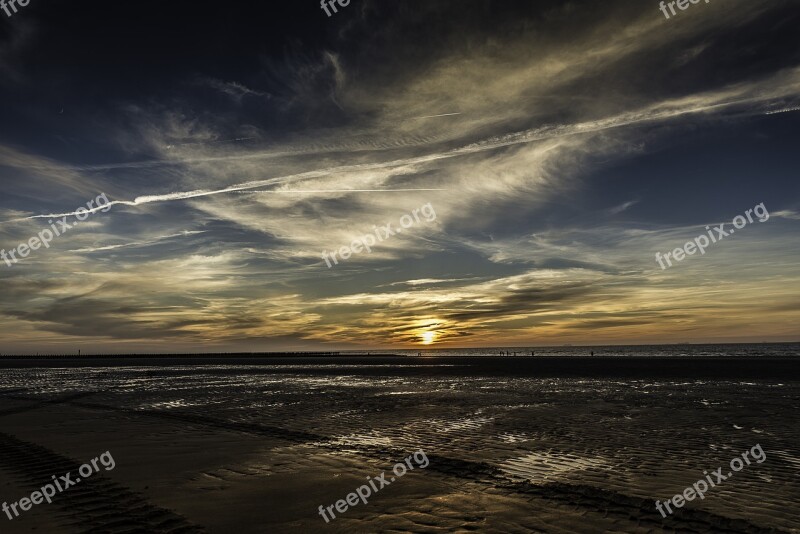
(532, 445)
(765, 367)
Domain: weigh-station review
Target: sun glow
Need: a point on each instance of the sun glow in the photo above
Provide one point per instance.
(428, 337)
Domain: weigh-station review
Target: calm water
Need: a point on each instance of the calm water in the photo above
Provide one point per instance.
(751, 350)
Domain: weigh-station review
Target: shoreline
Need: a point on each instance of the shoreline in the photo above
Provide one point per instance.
(660, 367)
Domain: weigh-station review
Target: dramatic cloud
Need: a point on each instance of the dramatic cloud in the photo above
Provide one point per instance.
(561, 145)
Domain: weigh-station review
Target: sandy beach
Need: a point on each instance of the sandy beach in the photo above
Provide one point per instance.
(214, 446)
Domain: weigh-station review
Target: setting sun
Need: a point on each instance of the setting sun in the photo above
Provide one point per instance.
(428, 337)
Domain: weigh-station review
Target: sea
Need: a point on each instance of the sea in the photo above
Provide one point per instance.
(678, 350)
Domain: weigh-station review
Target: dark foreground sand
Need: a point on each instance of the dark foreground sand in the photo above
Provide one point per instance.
(256, 445)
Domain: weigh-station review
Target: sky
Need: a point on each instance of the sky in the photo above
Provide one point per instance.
(551, 150)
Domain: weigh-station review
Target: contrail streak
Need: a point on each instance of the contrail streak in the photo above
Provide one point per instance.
(289, 191)
(528, 136)
(781, 111)
(172, 145)
(434, 116)
(137, 244)
(300, 151)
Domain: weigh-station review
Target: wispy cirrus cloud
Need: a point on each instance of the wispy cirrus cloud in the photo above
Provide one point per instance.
(530, 146)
